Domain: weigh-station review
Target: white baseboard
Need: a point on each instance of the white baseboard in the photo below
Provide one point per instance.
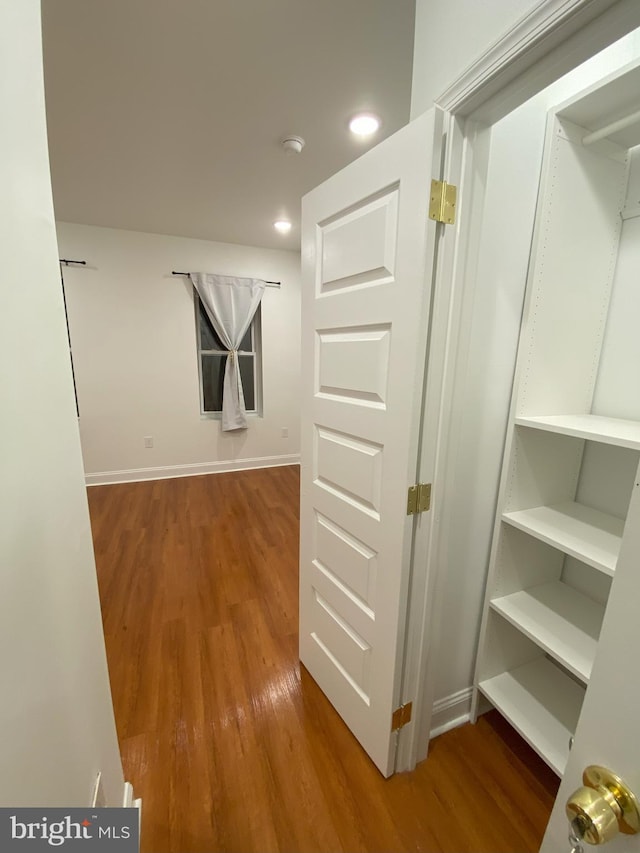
(452, 711)
(136, 475)
(127, 797)
(130, 802)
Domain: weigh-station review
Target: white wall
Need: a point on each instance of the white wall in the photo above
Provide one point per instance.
(486, 360)
(450, 35)
(133, 335)
(621, 345)
(56, 719)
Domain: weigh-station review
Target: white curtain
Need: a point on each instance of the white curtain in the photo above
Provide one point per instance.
(231, 304)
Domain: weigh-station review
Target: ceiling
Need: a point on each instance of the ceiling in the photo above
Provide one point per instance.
(166, 116)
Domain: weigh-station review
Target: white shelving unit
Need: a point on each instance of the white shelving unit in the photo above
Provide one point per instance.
(573, 441)
(541, 705)
(581, 531)
(621, 433)
(563, 622)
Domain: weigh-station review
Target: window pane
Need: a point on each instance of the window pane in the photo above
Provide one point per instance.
(212, 380)
(208, 337)
(245, 343)
(248, 382)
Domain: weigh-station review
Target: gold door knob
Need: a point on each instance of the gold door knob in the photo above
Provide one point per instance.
(603, 807)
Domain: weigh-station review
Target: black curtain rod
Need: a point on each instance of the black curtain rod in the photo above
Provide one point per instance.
(271, 283)
(66, 262)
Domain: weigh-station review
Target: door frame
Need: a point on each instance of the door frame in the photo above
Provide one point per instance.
(552, 39)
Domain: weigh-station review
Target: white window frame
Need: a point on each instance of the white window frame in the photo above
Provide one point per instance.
(255, 353)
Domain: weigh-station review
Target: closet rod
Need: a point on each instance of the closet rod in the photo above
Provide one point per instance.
(614, 127)
(268, 283)
(66, 262)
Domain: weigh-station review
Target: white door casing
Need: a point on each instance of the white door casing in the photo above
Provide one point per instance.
(367, 261)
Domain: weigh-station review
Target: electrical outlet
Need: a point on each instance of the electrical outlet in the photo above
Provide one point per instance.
(285, 432)
(148, 441)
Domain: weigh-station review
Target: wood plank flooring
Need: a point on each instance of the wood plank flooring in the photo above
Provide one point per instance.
(231, 746)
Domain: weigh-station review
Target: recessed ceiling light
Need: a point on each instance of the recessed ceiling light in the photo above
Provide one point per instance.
(364, 124)
(283, 226)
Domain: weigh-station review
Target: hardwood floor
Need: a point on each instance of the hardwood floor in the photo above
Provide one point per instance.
(230, 745)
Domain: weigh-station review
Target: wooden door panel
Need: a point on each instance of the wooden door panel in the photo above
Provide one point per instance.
(346, 561)
(358, 247)
(353, 364)
(350, 468)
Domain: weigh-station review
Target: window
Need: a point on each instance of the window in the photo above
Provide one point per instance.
(213, 357)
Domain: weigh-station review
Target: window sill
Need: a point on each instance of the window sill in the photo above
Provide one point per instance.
(217, 416)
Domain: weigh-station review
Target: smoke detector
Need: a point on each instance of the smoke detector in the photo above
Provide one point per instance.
(292, 144)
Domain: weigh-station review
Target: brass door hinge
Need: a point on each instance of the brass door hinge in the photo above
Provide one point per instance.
(442, 204)
(401, 716)
(419, 498)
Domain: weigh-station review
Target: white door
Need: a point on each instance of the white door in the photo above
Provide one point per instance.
(367, 261)
(607, 732)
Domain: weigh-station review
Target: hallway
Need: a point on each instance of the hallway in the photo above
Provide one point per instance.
(230, 746)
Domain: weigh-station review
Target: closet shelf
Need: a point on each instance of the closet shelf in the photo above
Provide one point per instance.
(542, 703)
(561, 620)
(580, 531)
(621, 433)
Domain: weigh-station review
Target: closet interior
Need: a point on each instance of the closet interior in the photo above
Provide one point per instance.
(573, 440)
